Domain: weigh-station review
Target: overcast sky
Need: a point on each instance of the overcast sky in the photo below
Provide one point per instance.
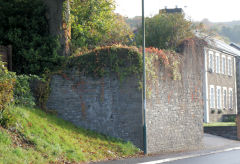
(214, 10)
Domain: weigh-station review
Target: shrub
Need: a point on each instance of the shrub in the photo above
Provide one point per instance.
(31, 90)
(24, 26)
(22, 91)
(40, 89)
(7, 81)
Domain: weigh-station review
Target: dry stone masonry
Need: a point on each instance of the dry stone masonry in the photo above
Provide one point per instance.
(113, 107)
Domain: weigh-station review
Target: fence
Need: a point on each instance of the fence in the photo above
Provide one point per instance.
(6, 56)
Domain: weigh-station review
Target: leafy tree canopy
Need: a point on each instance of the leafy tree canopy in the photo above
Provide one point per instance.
(165, 31)
(94, 23)
(23, 25)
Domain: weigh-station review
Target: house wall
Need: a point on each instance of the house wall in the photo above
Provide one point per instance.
(221, 80)
(238, 84)
(175, 108)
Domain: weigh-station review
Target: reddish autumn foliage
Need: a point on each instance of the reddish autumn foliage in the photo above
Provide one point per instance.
(159, 53)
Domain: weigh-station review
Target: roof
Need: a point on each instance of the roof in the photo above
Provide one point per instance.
(235, 45)
(174, 10)
(219, 45)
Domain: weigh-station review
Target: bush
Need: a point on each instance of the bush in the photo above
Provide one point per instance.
(22, 91)
(7, 81)
(24, 26)
(165, 31)
(40, 89)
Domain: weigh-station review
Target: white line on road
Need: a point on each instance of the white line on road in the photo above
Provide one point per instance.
(189, 156)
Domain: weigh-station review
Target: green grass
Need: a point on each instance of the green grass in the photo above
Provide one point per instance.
(219, 124)
(44, 138)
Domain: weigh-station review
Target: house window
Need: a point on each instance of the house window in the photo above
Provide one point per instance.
(212, 96)
(229, 66)
(211, 61)
(224, 97)
(217, 63)
(218, 97)
(223, 65)
(230, 98)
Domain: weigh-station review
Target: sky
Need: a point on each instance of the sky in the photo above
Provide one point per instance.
(196, 10)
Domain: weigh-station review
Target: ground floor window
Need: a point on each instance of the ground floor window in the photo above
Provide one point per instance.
(230, 98)
(218, 97)
(212, 96)
(224, 97)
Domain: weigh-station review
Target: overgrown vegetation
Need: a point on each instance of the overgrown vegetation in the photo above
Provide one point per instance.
(125, 61)
(169, 63)
(94, 23)
(43, 138)
(22, 91)
(7, 81)
(122, 60)
(165, 31)
(25, 27)
(31, 90)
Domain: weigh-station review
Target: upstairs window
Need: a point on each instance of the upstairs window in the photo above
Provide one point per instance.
(210, 63)
(229, 66)
(218, 97)
(223, 65)
(217, 63)
(230, 98)
(212, 96)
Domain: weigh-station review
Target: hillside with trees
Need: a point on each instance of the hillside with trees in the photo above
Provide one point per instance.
(228, 31)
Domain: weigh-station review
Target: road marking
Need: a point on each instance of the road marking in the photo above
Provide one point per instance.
(189, 156)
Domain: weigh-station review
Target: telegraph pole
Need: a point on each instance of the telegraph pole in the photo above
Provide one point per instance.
(144, 82)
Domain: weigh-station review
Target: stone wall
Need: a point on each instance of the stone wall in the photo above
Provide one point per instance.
(114, 107)
(175, 108)
(105, 105)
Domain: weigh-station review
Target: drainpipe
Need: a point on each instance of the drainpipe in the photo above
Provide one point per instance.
(144, 82)
(205, 88)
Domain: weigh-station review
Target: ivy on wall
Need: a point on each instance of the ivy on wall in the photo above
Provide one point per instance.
(164, 61)
(122, 60)
(125, 61)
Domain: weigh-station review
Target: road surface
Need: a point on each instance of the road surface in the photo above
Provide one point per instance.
(228, 157)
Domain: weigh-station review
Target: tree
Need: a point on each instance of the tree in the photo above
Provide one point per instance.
(233, 33)
(94, 23)
(25, 27)
(165, 31)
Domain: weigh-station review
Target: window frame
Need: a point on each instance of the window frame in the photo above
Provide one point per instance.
(211, 58)
(217, 56)
(212, 96)
(230, 71)
(224, 98)
(224, 65)
(218, 92)
(230, 92)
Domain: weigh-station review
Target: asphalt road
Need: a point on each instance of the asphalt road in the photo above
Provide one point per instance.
(231, 157)
(215, 150)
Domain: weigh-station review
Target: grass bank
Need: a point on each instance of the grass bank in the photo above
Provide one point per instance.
(43, 138)
(219, 124)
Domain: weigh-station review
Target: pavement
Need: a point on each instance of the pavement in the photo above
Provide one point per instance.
(211, 145)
